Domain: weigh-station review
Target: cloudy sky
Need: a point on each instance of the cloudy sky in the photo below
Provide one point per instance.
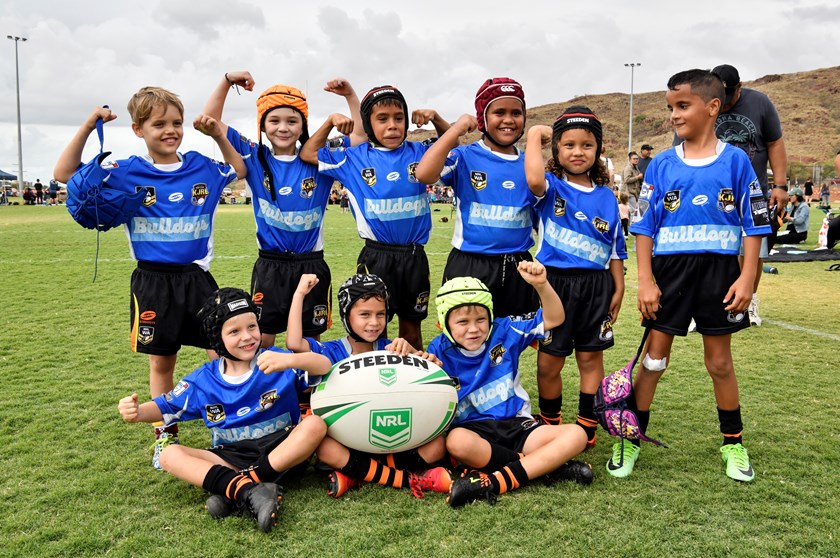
(86, 53)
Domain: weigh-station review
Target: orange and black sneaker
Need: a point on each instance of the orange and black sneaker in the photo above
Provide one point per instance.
(471, 487)
(338, 483)
(432, 480)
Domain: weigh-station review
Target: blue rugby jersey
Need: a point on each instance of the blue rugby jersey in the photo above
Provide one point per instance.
(494, 212)
(697, 209)
(339, 349)
(390, 205)
(175, 222)
(579, 227)
(263, 404)
(294, 220)
(490, 378)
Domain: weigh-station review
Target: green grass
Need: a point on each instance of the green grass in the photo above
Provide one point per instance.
(78, 482)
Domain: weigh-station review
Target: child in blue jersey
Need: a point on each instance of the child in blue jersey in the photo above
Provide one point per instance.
(171, 236)
(582, 247)
(249, 401)
(493, 430)
(389, 203)
(494, 207)
(696, 200)
(363, 307)
(290, 198)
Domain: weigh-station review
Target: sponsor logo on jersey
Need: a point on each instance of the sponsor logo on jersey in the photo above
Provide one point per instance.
(671, 201)
(509, 184)
(600, 225)
(369, 176)
(145, 334)
(307, 187)
(393, 176)
(215, 412)
(150, 198)
(559, 206)
(176, 197)
(243, 411)
(726, 200)
(580, 215)
(700, 200)
(267, 399)
(285, 190)
(199, 193)
(258, 297)
(387, 376)
(755, 188)
(319, 315)
(478, 179)
(760, 212)
(422, 303)
(390, 428)
(148, 315)
(497, 354)
(412, 172)
(606, 332)
(180, 388)
(646, 191)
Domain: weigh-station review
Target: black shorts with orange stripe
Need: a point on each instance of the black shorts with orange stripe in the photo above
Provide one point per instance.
(164, 301)
(509, 433)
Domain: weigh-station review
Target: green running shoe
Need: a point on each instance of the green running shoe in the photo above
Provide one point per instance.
(737, 462)
(623, 459)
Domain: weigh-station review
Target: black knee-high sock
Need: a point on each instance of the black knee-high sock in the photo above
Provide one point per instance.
(586, 414)
(731, 426)
(408, 460)
(263, 471)
(551, 410)
(509, 477)
(499, 457)
(227, 482)
(363, 467)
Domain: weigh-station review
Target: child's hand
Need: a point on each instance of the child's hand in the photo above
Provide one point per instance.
(545, 133)
(207, 125)
(339, 86)
(532, 272)
(306, 284)
(100, 112)
(648, 299)
(241, 79)
(401, 347)
(421, 117)
(342, 123)
(615, 307)
(465, 124)
(129, 408)
(429, 356)
(271, 361)
(739, 296)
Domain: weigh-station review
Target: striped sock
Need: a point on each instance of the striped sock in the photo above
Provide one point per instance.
(510, 477)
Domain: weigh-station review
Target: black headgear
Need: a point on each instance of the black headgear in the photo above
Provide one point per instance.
(219, 308)
(356, 287)
(374, 96)
(576, 117)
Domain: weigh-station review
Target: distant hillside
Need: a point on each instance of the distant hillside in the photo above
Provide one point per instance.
(808, 104)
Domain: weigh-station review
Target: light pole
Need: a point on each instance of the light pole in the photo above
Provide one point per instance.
(17, 87)
(632, 67)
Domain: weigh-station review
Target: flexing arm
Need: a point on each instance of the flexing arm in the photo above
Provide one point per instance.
(71, 157)
(553, 312)
(538, 137)
(421, 117)
(309, 152)
(294, 329)
(342, 87)
(209, 126)
(428, 170)
(272, 361)
(216, 101)
(131, 411)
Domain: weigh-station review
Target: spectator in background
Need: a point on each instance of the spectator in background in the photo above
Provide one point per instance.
(798, 219)
(28, 196)
(53, 190)
(645, 158)
(808, 188)
(825, 196)
(608, 164)
(39, 192)
(631, 184)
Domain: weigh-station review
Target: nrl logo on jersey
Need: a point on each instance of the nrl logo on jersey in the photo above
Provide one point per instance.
(150, 198)
(600, 225)
(671, 201)
(726, 200)
(559, 206)
(307, 187)
(478, 179)
(497, 354)
(412, 172)
(215, 412)
(369, 176)
(199, 193)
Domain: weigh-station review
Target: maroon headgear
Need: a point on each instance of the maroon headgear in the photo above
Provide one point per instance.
(492, 89)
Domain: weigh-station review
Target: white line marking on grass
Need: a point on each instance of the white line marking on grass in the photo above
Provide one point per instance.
(808, 330)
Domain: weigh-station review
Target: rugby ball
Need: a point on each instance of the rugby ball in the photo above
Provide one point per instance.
(380, 402)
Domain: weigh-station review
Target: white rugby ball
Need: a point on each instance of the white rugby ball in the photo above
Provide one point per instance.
(379, 402)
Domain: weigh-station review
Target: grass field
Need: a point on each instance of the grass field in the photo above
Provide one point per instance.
(78, 481)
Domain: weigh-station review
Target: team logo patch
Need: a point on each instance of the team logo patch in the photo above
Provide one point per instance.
(199, 193)
(387, 376)
(390, 428)
(267, 183)
(258, 297)
(478, 179)
(671, 201)
(497, 354)
(548, 338)
(726, 200)
(267, 399)
(600, 225)
(319, 315)
(412, 172)
(369, 176)
(215, 412)
(180, 388)
(755, 188)
(760, 213)
(422, 303)
(559, 206)
(150, 198)
(307, 187)
(735, 317)
(145, 334)
(606, 332)
(646, 191)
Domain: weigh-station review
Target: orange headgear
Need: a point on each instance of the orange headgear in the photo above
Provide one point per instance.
(282, 96)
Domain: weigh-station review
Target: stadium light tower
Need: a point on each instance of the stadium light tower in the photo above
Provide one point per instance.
(17, 87)
(632, 66)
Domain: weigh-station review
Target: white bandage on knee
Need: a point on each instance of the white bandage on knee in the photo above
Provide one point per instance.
(654, 364)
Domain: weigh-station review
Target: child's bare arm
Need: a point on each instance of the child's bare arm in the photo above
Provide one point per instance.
(71, 157)
(538, 137)
(342, 87)
(428, 170)
(421, 117)
(131, 411)
(617, 272)
(648, 293)
(272, 361)
(209, 126)
(535, 275)
(309, 152)
(294, 329)
(739, 295)
(216, 101)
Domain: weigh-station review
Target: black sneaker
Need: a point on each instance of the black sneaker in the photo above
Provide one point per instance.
(577, 471)
(471, 487)
(263, 501)
(218, 506)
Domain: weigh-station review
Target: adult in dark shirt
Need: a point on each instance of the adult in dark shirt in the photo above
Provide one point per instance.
(39, 191)
(645, 157)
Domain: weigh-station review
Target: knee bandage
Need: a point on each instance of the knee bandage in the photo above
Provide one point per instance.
(654, 364)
